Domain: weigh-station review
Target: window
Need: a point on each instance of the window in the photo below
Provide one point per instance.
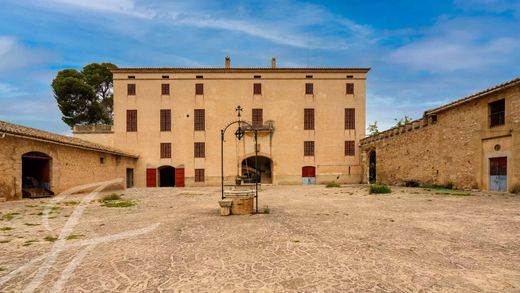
(258, 118)
(199, 76)
(497, 113)
(350, 76)
(257, 88)
(131, 89)
(308, 76)
(199, 88)
(308, 119)
(434, 119)
(308, 148)
(309, 88)
(165, 89)
(200, 119)
(166, 120)
(102, 160)
(165, 76)
(200, 150)
(350, 88)
(350, 149)
(131, 120)
(166, 150)
(257, 76)
(131, 77)
(199, 175)
(350, 118)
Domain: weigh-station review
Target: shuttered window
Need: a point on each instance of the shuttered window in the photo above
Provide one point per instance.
(258, 118)
(199, 88)
(257, 88)
(350, 148)
(308, 119)
(308, 148)
(350, 118)
(199, 175)
(131, 89)
(309, 88)
(165, 89)
(350, 88)
(200, 150)
(497, 113)
(166, 150)
(166, 120)
(131, 120)
(200, 119)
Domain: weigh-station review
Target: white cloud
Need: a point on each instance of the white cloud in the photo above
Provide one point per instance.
(126, 7)
(15, 56)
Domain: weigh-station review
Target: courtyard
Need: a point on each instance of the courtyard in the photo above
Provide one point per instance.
(313, 239)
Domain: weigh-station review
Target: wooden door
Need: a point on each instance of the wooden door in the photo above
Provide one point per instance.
(498, 174)
(309, 175)
(151, 177)
(179, 177)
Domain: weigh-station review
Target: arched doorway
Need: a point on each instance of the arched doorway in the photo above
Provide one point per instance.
(372, 175)
(166, 176)
(36, 175)
(264, 171)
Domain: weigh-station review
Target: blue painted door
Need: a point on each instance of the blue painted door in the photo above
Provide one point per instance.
(498, 174)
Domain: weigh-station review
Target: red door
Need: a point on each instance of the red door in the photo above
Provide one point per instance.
(151, 177)
(309, 171)
(179, 177)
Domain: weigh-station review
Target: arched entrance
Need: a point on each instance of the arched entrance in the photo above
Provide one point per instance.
(36, 174)
(166, 176)
(265, 167)
(372, 175)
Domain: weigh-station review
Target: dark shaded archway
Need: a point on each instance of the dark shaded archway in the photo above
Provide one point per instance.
(264, 170)
(166, 176)
(36, 174)
(372, 175)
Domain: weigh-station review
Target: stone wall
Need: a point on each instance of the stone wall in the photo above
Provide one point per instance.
(70, 166)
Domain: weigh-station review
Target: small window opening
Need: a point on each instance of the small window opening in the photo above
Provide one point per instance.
(308, 76)
(258, 76)
(199, 76)
(350, 76)
(131, 77)
(165, 76)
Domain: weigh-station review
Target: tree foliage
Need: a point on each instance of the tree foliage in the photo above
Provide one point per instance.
(373, 129)
(400, 122)
(86, 96)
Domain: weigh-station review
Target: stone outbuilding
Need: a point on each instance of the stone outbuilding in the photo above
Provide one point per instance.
(471, 143)
(36, 163)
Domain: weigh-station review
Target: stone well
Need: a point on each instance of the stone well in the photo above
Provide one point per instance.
(242, 201)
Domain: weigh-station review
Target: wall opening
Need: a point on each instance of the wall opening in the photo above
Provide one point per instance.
(264, 171)
(309, 175)
(36, 175)
(498, 174)
(372, 174)
(166, 176)
(129, 178)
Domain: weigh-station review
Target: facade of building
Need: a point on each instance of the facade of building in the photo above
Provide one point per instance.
(310, 122)
(36, 163)
(472, 143)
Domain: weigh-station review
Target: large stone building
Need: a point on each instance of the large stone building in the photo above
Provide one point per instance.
(37, 163)
(472, 143)
(310, 122)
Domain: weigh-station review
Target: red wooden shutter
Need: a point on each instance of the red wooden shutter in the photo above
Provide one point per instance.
(166, 150)
(199, 175)
(200, 119)
(257, 88)
(350, 118)
(131, 89)
(199, 88)
(309, 88)
(199, 150)
(165, 89)
(151, 177)
(166, 120)
(350, 88)
(308, 119)
(258, 117)
(131, 120)
(179, 177)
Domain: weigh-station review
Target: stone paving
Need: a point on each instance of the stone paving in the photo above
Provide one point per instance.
(314, 239)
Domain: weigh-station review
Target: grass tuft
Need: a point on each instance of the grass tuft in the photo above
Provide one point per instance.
(73, 236)
(31, 224)
(29, 242)
(6, 228)
(333, 184)
(50, 238)
(267, 210)
(112, 196)
(8, 216)
(378, 189)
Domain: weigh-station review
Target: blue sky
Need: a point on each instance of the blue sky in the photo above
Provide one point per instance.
(422, 53)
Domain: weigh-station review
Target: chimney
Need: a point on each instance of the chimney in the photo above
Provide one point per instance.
(273, 63)
(228, 62)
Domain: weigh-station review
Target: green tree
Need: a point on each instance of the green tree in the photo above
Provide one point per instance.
(400, 122)
(85, 97)
(373, 129)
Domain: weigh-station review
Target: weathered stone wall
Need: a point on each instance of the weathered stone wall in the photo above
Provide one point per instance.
(70, 166)
(454, 150)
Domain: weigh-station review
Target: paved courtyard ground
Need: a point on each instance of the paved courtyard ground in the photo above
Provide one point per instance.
(314, 239)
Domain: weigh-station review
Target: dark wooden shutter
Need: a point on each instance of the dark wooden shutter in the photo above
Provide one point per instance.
(151, 177)
(166, 120)
(166, 150)
(350, 148)
(199, 88)
(350, 88)
(200, 150)
(257, 88)
(350, 118)
(308, 148)
(309, 171)
(131, 120)
(131, 89)
(200, 119)
(165, 89)
(258, 118)
(308, 119)
(179, 177)
(309, 88)
(199, 175)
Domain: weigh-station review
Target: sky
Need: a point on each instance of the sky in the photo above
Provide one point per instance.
(422, 53)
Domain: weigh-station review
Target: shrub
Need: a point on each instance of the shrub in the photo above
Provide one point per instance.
(112, 196)
(124, 203)
(379, 188)
(333, 184)
(267, 210)
(50, 238)
(515, 189)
